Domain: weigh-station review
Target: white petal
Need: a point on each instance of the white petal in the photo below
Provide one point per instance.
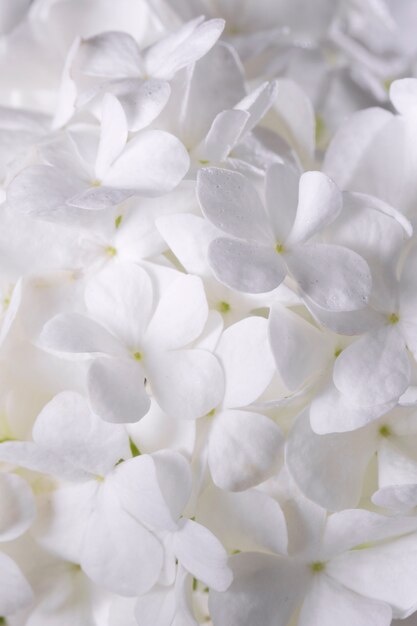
(266, 590)
(112, 54)
(246, 267)
(119, 553)
(78, 334)
(113, 134)
(249, 521)
(154, 489)
(98, 198)
(332, 412)
(42, 191)
(354, 527)
(258, 103)
(247, 361)
(158, 431)
(373, 370)
(180, 315)
(397, 458)
(143, 101)
(189, 237)
(344, 155)
(157, 607)
(202, 554)
(39, 459)
(17, 506)
(224, 133)
(116, 389)
(183, 47)
(386, 573)
(403, 95)
(244, 449)
(300, 350)
(319, 203)
(219, 72)
(324, 467)
(186, 383)
(15, 591)
(400, 498)
(67, 427)
(328, 603)
(296, 116)
(152, 164)
(232, 204)
(334, 277)
(281, 193)
(62, 518)
(120, 297)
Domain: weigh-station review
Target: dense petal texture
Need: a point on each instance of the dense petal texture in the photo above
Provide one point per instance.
(208, 313)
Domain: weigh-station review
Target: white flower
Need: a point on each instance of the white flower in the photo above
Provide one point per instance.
(269, 244)
(86, 172)
(121, 519)
(141, 336)
(325, 575)
(16, 516)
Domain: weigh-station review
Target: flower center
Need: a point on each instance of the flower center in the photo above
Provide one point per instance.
(223, 307)
(317, 566)
(137, 356)
(110, 250)
(118, 221)
(394, 318)
(95, 182)
(279, 248)
(385, 431)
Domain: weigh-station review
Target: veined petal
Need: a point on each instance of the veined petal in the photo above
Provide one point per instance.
(17, 507)
(247, 361)
(98, 198)
(299, 348)
(232, 204)
(353, 527)
(333, 277)
(186, 383)
(42, 191)
(75, 333)
(121, 298)
(373, 370)
(324, 467)
(183, 47)
(116, 389)
(385, 572)
(333, 412)
(266, 590)
(250, 521)
(110, 54)
(281, 193)
(328, 602)
(152, 164)
(202, 554)
(66, 426)
(224, 133)
(180, 315)
(154, 489)
(319, 204)
(243, 449)
(246, 267)
(118, 553)
(15, 591)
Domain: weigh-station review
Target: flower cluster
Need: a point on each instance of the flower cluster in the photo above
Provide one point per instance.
(208, 295)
